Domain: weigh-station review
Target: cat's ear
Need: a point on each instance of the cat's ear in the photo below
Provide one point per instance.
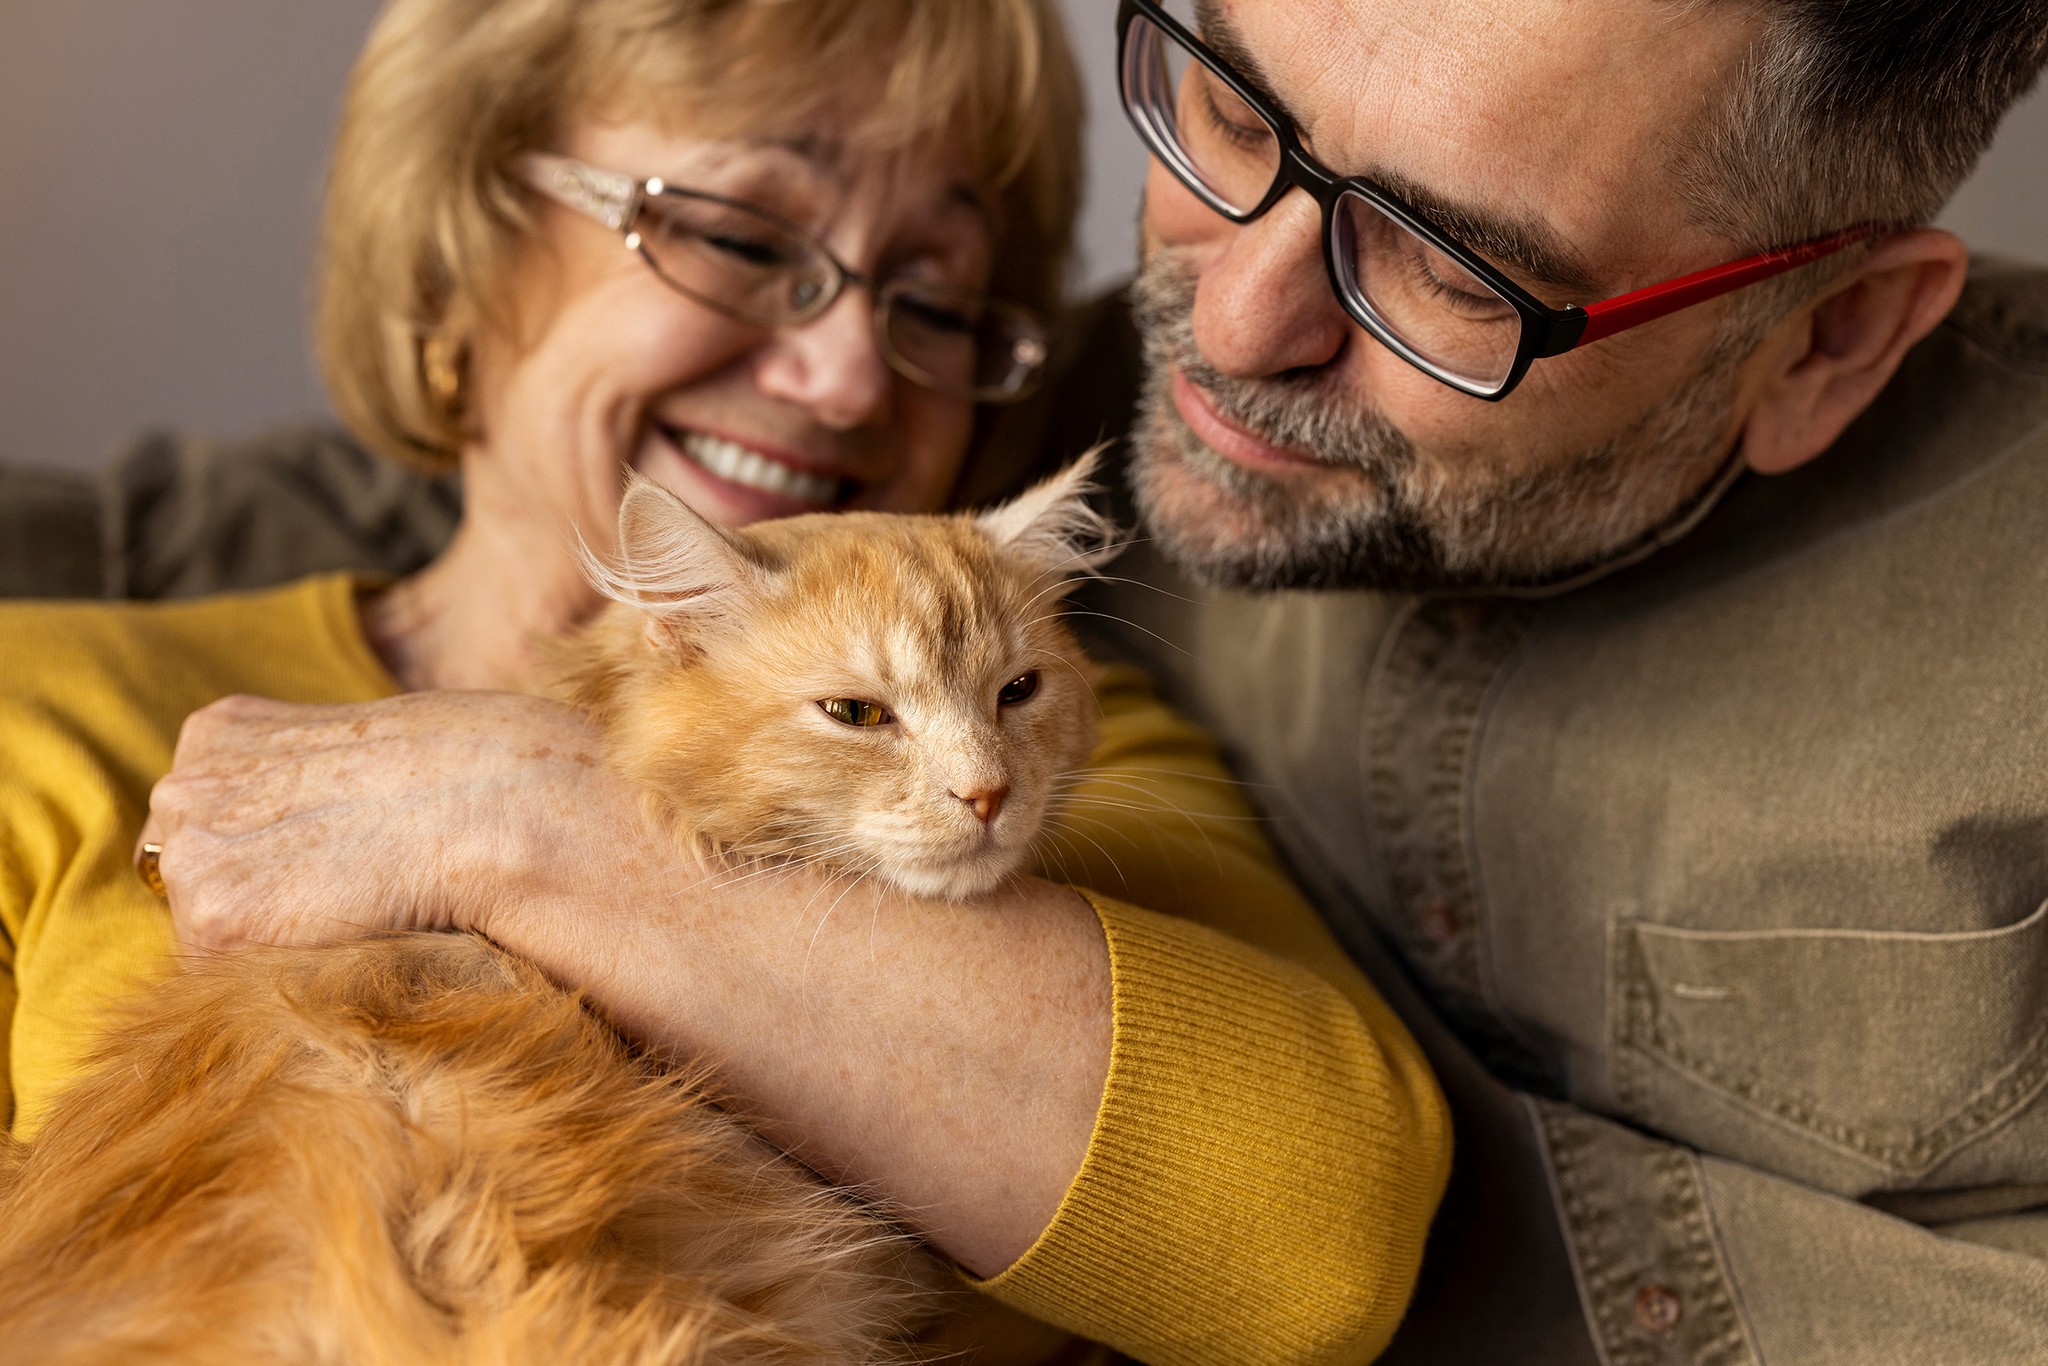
(690, 575)
(1053, 527)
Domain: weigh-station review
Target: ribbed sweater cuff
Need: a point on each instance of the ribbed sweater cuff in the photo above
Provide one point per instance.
(1258, 1185)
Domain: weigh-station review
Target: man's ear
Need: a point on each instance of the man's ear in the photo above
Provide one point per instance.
(1051, 525)
(685, 572)
(1827, 362)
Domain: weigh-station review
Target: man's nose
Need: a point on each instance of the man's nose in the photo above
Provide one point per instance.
(1263, 304)
(832, 366)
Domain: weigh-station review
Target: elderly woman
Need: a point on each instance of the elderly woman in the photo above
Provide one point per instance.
(777, 255)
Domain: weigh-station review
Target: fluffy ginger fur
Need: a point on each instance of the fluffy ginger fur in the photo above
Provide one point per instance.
(415, 1149)
(722, 644)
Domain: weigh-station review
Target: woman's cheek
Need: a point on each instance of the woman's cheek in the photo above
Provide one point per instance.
(643, 338)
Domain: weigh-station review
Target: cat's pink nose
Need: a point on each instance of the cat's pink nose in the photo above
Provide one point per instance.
(986, 801)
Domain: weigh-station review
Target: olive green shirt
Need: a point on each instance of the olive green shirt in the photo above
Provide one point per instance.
(1721, 883)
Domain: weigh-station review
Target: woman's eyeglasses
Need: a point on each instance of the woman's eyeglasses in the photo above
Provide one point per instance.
(749, 264)
(1432, 300)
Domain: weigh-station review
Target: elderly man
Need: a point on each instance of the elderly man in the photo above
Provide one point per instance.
(1668, 709)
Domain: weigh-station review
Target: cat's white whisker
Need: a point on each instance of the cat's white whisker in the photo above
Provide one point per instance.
(804, 970)
(821, 850)
(1140, 583)
(1177, 775)
(1169, 805)
(1092, 557)
(1044, 617)
(1158, 836)
(826, 852)
(1046, 846)
(764, 868)
(1158, 803)
(1159, 840)
(1123, 621)
(1086, 682)
(1115, 867)
(1053, 844)
(1065, 836)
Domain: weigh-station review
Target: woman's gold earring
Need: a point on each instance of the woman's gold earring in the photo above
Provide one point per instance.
(441, 364)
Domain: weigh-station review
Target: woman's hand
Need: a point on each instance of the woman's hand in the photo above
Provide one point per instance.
(286, 824)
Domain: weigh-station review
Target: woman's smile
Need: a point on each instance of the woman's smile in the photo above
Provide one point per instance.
(726, 474)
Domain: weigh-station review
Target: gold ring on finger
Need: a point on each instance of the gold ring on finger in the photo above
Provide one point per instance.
(149, 867)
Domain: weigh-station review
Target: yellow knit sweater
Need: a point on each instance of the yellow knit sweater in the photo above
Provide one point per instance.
(1270, 1145)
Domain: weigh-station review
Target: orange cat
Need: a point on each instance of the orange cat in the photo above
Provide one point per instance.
(414, 1149)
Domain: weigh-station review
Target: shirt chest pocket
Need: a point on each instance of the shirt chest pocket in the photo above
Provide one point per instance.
(1858, 1060)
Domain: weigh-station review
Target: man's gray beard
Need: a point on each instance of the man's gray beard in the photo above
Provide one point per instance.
(1400, 524)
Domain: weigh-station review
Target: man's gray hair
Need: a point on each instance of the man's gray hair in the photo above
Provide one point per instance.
(1858, 111)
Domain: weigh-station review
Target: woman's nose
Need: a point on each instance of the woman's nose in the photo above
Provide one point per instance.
(1263, 304)
(832, 365)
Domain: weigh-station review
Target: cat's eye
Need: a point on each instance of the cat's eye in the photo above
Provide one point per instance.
(1017, 689)
(851, 711)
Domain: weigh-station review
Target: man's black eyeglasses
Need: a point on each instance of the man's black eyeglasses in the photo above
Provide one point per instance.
(1436, 303)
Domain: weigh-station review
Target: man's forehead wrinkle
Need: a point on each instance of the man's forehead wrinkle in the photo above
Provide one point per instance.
(1538, 132)
(1338, 132)
(1215, 26)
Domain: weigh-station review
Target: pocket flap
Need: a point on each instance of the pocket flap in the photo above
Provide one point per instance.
(1899, 1046)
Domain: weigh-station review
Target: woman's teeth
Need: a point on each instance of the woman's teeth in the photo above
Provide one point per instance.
(736, 464)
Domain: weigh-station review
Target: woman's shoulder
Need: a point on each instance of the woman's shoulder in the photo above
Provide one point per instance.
(300, 642)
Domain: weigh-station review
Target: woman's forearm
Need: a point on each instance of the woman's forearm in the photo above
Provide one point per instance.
(949, 1057)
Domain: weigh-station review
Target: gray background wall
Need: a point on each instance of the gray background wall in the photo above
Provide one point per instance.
(159, 182)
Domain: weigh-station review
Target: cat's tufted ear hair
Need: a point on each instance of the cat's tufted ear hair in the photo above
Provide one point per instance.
(687, 573)
(1052, 525)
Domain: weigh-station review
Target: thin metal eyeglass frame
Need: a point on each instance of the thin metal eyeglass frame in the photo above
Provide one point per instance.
(1546, 331)
(615, 199)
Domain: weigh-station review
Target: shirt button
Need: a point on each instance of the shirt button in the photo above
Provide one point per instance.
(1438, 922)
(1658, 1310)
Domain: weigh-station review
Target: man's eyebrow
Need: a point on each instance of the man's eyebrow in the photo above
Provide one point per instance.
(1526, 245)
(1221, 36)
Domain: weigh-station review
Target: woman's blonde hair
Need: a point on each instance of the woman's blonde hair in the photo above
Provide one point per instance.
(424, 215)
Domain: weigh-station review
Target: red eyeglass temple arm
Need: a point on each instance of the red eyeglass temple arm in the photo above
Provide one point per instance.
(1637, 307)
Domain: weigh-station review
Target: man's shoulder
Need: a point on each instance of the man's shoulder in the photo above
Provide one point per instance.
(1958, 434)
(1975, 391)
(2004, 312)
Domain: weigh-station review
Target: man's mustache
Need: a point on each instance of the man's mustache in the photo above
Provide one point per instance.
(1308, 412)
